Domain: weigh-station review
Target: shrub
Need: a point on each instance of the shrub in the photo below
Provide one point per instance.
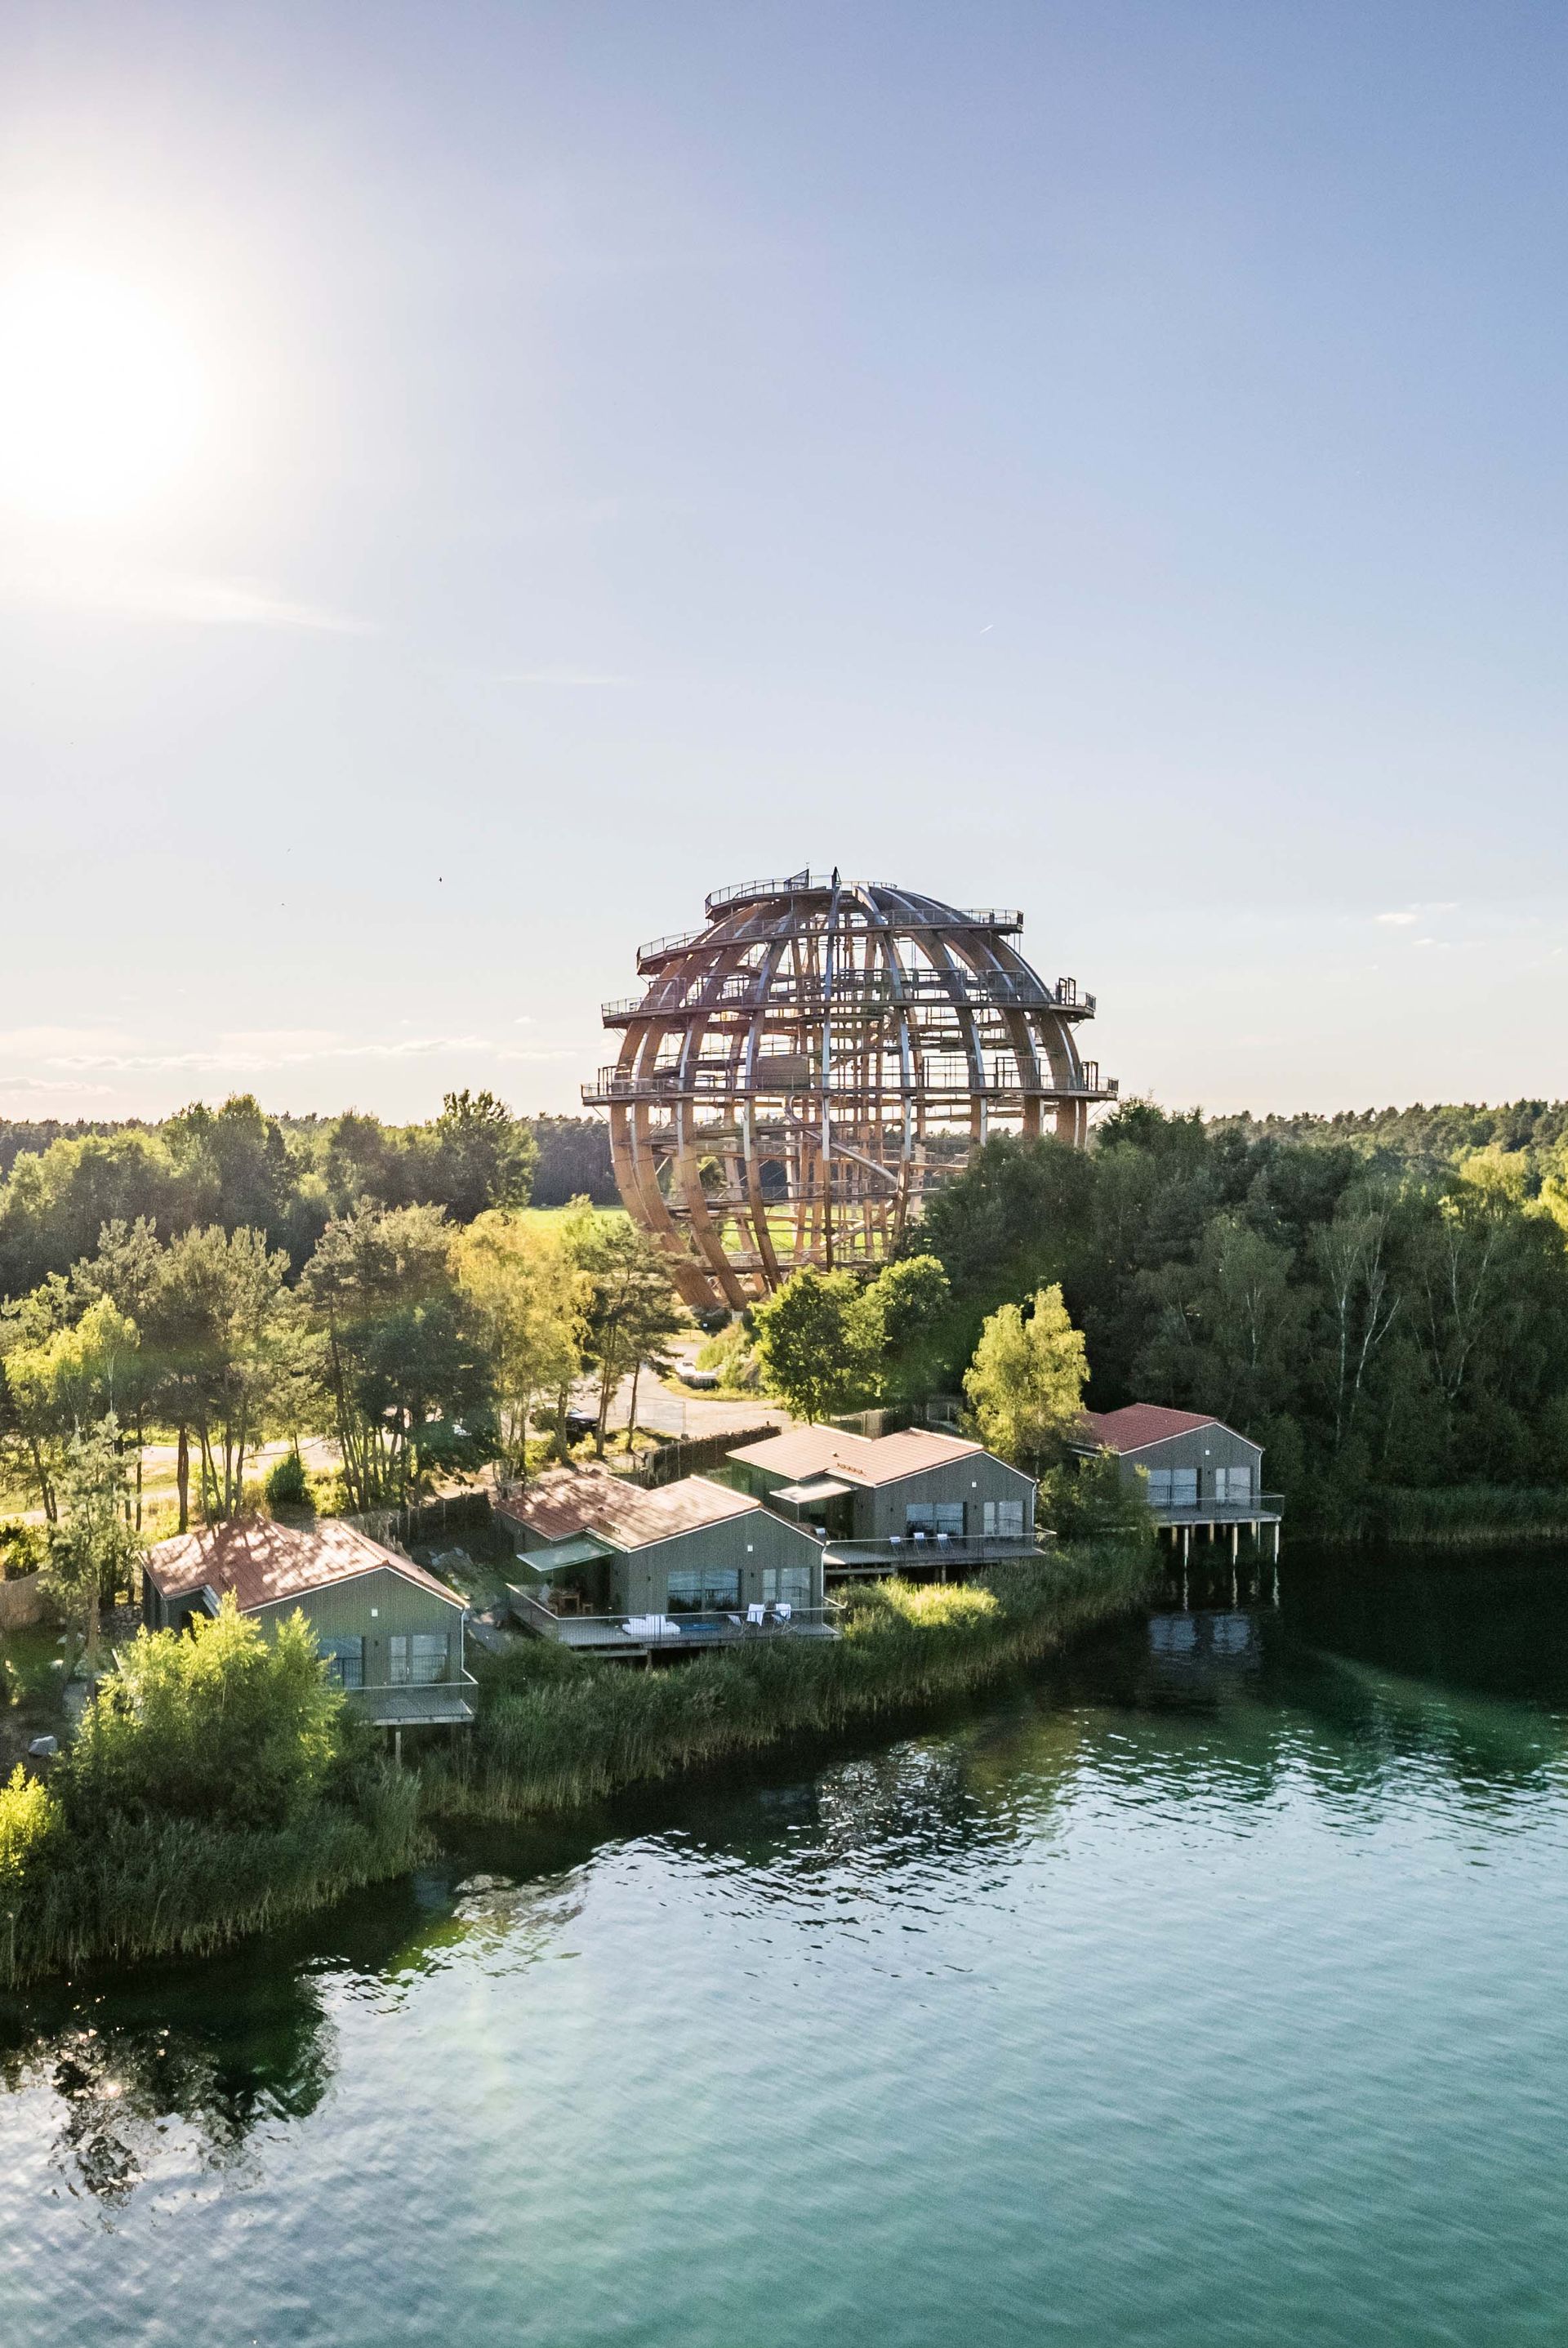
(226, 1725)
(28, 1817)
(288, 1485)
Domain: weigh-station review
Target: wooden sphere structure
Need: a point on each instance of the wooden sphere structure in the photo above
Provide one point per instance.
(801, 1072)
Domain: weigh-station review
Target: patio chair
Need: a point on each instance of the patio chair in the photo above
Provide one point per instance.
(781, 1612)
(757, 1615)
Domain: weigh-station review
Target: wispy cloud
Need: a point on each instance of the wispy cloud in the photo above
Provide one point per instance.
(559, 676)
(249, 1052)
(185, 599)
(1399, 921)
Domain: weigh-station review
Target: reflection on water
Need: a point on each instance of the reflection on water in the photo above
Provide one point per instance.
(1195, 1887)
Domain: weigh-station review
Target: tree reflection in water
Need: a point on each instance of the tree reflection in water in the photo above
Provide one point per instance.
(138, 2096)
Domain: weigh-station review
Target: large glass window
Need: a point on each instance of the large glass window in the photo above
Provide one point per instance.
(1003, 1520)
(788, 1583)
(1233, 1484)
(418, 1659)
(704, 1590)
(344, 1662)
(934, 1517)
(1172, 1488)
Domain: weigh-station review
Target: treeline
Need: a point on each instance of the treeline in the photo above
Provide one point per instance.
(1375, 1322)
(1426, 1140)
(424, 1350)
(1383, 1325)
(236, 1167)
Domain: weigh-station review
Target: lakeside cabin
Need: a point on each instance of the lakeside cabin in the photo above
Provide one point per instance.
(918, 1500)
(1196, 1471)
(618, 1570)
(392, 1634)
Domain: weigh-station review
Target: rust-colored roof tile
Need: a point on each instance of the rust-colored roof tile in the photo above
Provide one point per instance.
(261, 1561)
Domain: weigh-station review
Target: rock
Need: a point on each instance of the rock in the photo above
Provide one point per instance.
(485, 1883)
(44, 1748)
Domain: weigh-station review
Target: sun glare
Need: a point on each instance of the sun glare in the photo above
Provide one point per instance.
(103, 398)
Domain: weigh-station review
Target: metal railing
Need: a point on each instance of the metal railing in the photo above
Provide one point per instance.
(730, 1082)
(1264, 1507)
(868, 993)
(899, 924)
(932, 1548)
(797, 884)
(719, 1627)
(406, 1702)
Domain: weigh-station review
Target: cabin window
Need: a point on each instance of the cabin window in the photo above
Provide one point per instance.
(704, 1590)
(344, 1661)
(1233, 1484)
(1003, 1520)
(934, 1517)
(418, 1659)
(1172, 1488)
(788, 1583)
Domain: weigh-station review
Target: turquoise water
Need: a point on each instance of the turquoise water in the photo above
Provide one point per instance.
(1209, 1990)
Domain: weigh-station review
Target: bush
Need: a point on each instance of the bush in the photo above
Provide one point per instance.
(226, 1725)
(24, 1547)
(288, 1485)
(217, 1785)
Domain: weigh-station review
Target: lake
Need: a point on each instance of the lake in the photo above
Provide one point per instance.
(1210, 1988)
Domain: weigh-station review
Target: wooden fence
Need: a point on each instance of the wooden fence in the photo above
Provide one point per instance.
(688, 1454)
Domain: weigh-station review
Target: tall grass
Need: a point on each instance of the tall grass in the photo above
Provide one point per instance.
(1466, 1512)
(153, 1887)
(555, 1731)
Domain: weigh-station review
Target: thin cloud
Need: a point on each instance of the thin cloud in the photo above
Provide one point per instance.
(1399, 921)
(569, 678)
(187, 599)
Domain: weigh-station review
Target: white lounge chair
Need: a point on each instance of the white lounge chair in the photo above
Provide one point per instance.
(756, 1615)
(781, 1612)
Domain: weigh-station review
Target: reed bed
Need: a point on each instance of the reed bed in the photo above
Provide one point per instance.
(1467, 1513)
(180, 1887)
(555, 1732)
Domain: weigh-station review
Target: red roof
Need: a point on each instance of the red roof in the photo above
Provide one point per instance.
(1139, 1423)
(261, 1561)
(592, 1501)
(806, 1451)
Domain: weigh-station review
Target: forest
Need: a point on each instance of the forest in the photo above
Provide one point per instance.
(1380, 1299)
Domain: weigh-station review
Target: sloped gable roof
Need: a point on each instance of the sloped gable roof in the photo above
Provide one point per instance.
(571, 1500)
(803, 1452)
(1139, 1423)
(261, 1561)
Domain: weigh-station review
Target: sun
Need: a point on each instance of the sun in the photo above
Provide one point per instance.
(103, 396)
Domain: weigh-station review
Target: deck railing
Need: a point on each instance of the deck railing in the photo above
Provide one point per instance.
(921, 1550)
(726, 1627)
(870, 993)
(406, 1704)
(1264, 1507)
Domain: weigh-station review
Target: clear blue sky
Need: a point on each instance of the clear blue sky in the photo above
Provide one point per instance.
(507, 469)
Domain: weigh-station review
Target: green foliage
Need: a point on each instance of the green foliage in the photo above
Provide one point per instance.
(1026, 1383)
(816, 1348)
(1375, 1323)
(573, 1732)
(222, 1723)
(288, 1485)
(217, 1785)
(29, 1817)
(404, 1355)
(1086, 1501)
(732, 1353)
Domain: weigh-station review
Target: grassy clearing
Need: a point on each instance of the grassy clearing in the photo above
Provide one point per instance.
(555, 1732)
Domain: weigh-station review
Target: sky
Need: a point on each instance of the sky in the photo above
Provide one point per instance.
(474, 477)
